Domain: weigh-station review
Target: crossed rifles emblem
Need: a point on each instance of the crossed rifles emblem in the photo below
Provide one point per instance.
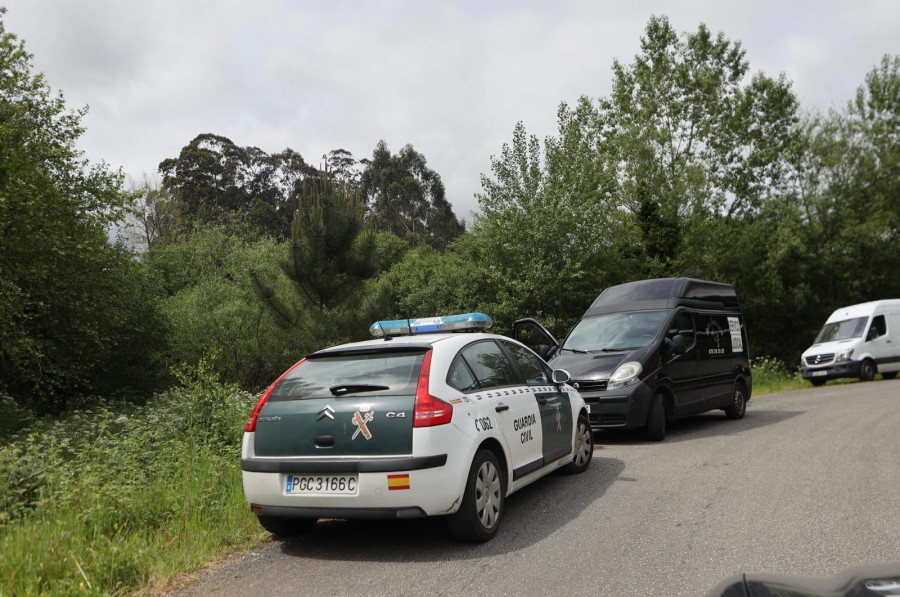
(360, 421)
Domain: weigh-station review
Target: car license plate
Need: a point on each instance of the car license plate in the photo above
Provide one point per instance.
(321, 484)
(818, 373)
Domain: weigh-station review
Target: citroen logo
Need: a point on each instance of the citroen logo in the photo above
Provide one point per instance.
(326, 412)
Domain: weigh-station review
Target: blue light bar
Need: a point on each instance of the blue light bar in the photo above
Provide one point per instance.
(431, 325)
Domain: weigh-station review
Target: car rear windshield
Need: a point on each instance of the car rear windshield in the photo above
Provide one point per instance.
(842, 330)
(377, 373)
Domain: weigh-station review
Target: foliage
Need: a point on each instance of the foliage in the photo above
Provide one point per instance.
(118, 497)
(213, 177)
(329, 257)
(406, 197)
(211, 310)
(74, 315)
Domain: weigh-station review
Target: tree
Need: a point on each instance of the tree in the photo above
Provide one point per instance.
(211, 311)
(691, 139)
(213, 179)
(404, 196)
(329, 257)
(75, 311)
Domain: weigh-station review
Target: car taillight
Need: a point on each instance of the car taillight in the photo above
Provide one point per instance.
(429, 411)
(251, 422)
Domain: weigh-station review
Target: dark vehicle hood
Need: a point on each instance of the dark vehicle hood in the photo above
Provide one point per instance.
(597, 365)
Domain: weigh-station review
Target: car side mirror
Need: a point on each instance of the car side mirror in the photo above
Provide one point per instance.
(873, 333)
(560, 376)
(676, 345)
(547, 351)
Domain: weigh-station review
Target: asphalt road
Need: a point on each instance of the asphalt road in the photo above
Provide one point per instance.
(807, 483)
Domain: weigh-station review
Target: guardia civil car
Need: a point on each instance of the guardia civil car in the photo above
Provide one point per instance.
(422, 421)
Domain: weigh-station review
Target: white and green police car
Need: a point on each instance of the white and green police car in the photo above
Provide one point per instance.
(419, 422)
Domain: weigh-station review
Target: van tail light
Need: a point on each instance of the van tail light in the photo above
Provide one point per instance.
(250, 427)
(429, 411)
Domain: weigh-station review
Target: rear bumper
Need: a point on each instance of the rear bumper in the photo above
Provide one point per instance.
(347, 465)
(343, 513)
(623, 408)
(835, 371)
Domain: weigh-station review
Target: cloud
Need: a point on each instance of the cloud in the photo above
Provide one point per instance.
(452, 78)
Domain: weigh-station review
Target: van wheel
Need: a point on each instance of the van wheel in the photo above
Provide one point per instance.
(286, 527)
(656, 419)
(817, 382)
(738, 406)
(889, 375)
(867, 370)
(584, 447)
(478, 517)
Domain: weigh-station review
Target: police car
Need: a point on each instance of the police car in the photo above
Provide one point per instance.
(422, 421)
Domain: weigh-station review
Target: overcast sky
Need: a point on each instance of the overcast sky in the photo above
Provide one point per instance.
(452, 78)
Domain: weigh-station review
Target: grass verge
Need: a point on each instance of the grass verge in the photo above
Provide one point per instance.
(109, 502)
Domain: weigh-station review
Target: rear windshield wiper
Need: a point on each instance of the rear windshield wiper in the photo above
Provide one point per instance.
(578, 350)
(353, 388)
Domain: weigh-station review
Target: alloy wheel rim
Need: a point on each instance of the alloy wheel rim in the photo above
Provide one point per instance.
(582, 445)
(487, 495)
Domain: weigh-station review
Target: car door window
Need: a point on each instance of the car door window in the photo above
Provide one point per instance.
(461, 377)
(535, 371)
(489, 365)
(682, 324)
(879, 327)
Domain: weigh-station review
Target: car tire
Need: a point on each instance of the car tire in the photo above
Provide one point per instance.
(889, 374)
(738, 406)
(286, 527)
(656, 418)
(479, 515)
(584, 447)
(817, 382)
(867, 370)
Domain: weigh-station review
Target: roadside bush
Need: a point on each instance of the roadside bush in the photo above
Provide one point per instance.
(212, 313)
(773, 375)
(118, 496)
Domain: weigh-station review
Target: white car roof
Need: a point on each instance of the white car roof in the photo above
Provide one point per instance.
(452, 341)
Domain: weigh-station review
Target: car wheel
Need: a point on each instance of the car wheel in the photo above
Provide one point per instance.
(478, 517)
(817, 382)
(286, 527)
(738, 402)
(656, 419)
(867, 370)
(889, 374)
(584, 447)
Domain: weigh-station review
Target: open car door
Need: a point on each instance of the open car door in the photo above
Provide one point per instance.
(532, 334)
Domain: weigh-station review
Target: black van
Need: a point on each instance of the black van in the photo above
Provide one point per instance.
(648, 352)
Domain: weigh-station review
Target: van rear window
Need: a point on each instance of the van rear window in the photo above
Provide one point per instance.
(842, 330)
(378, 373)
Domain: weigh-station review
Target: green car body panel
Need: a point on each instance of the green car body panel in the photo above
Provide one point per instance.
(351, 425)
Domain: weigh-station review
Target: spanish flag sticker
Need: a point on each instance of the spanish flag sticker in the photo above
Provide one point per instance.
(398, 482)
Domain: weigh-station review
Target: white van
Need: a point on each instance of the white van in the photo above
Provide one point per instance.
(857, 341)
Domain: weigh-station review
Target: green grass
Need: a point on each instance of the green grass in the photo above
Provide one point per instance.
(109, 501)
(771, 376)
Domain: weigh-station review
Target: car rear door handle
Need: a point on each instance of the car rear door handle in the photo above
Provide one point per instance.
(501, 407)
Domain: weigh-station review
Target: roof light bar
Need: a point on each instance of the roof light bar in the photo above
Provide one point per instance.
(431, 325)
